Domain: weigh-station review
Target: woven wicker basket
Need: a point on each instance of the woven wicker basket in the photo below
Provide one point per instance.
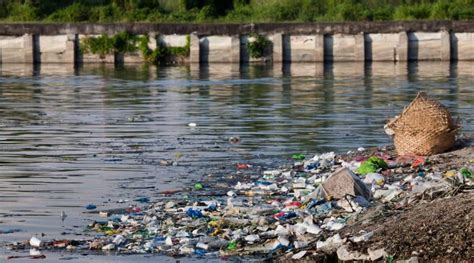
(425, 127)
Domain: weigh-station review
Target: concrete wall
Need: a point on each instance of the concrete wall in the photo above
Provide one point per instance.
(219, 49)
(429, 46)
(386, 46)
(227, 43)
(56, 49)
(303, 48)
(172, 40)
(341, 47)
(16, 49)
(462, 46)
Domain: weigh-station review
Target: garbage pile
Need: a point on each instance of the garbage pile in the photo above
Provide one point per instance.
(295, 211)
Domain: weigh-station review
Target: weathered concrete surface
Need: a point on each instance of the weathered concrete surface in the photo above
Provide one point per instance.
(428, 46)
(299, 42)
(277, 48)
(16, 49)
(57, 49)
(195, 50)
(351, 28)
(381, 47)
(462, 46)
(402, 47)
(303, 48)
(219, 49)
(344, 47)
(386, 47)
(173, 40)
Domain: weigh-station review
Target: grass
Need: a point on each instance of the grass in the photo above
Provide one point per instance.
(233, 10)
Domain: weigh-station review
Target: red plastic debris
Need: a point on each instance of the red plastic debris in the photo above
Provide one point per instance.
(243, 166)
(293, 204)
(418, 161)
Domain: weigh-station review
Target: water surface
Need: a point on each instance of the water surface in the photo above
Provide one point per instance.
(97, 134)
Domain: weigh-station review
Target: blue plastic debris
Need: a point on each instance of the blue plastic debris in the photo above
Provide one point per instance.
(312, 166)
(200, 252)
(212, 207)
(314, 202)
(9, 231)
(324, 208)
(91, 207)
(194, 213)
(142, 199)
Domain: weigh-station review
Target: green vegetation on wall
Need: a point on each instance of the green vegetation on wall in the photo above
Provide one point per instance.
(233, 10)
(124, 42)
(258, 47)
(104, 45)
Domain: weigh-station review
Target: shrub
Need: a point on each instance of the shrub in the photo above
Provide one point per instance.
(22, 12)
(258, 47)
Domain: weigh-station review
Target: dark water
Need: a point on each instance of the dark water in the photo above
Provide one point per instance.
(70, 137)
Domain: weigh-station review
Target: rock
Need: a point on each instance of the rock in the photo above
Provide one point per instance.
(330, 244)
(170, 205)
(343, 182)
(377, 254)
(410, 260)
(344, 254)
(363, 237)
(299, 255)
(108, 247)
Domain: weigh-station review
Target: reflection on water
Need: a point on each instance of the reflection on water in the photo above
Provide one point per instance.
(70, 136)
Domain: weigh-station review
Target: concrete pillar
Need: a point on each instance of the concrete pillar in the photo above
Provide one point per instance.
(278, 48)
(235, 49)
(319, 48)
(194, 49)
(463, 46)
(70, 53)
(152, 43)
(359, 48)
(28, 49)
(445, 46)
(402, 47)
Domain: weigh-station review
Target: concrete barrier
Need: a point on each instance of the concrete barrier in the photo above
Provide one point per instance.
(219, 49)
(17, 49)
(341, 47)
(56, 49)
(429, 46)
(386, 46)
(303, 48)
(462, 46)
(227, 43)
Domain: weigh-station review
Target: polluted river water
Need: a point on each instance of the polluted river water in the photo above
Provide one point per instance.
(99, 134)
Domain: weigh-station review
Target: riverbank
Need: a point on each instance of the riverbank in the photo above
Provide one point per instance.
(142, 43)
(282, 213)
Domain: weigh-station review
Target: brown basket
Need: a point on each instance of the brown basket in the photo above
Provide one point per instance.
(425, 127)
